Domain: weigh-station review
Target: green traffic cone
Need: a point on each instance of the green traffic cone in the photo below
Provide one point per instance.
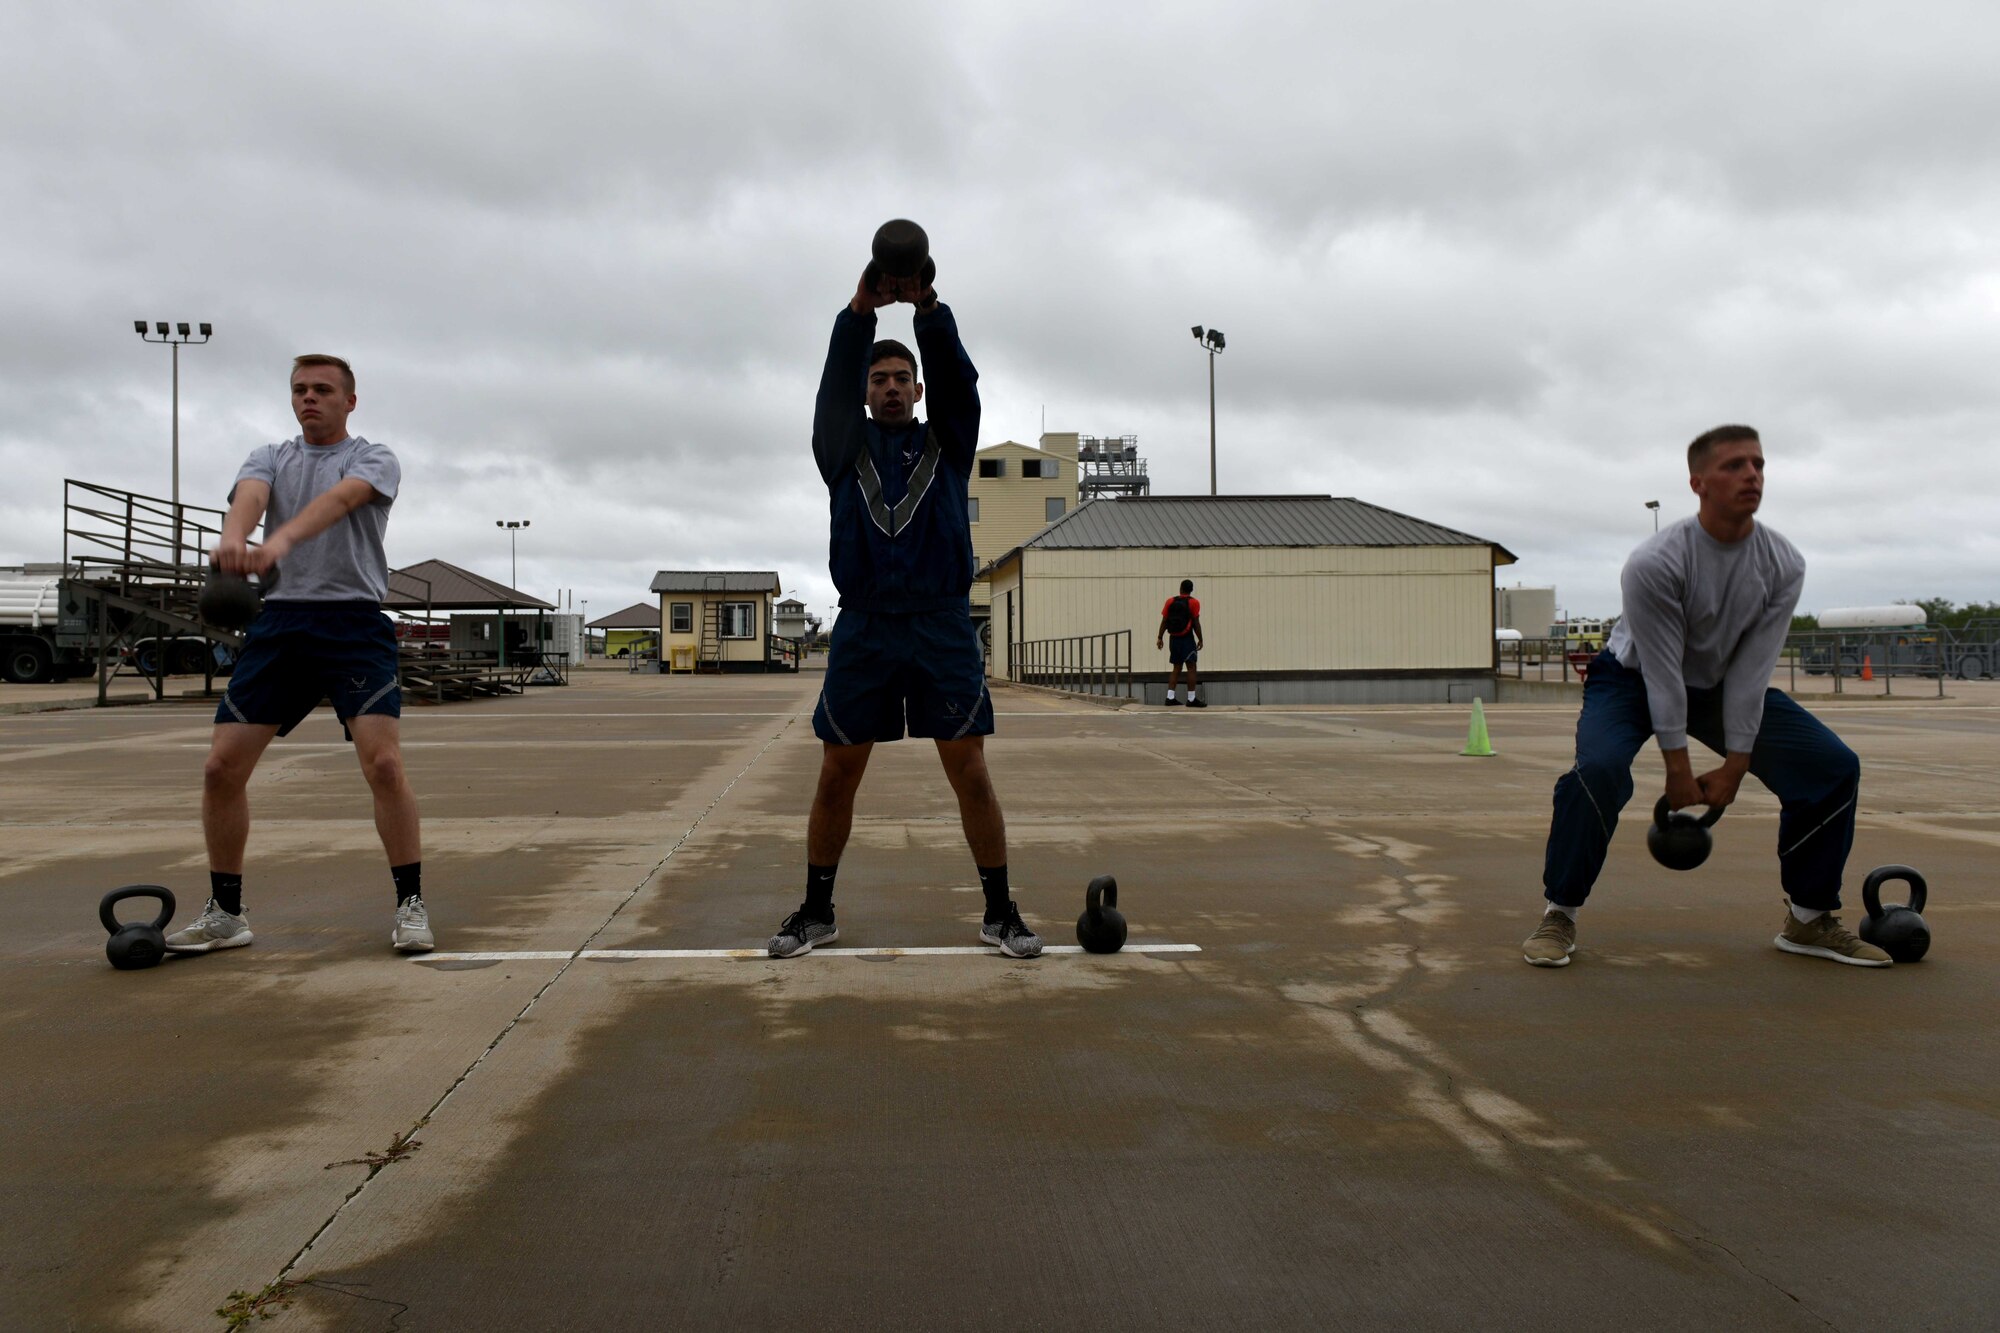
(1476, 742)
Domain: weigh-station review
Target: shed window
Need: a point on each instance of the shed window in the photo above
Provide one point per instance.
(972, 509)
(1039, 467)
(992, 467)
(683, 617)
(739, 620)
(1052, 509)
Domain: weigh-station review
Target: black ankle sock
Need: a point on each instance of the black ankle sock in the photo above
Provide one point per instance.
(409, 881)
(227, 890)
(819, 891)
(993, 880)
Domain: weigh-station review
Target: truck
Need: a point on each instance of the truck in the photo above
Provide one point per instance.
(30, 609)
(1891, 640)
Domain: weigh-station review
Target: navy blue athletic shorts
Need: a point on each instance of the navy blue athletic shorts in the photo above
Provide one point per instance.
(1181, 649)
(298, 653)
(924, 669)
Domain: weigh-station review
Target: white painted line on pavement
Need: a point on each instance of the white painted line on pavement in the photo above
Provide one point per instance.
(550, 955)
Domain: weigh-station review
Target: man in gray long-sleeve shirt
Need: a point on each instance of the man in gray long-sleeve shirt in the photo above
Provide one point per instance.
(1708, 602)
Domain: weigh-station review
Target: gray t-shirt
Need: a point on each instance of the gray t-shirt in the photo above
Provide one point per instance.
(1701, 613)
(346, 563)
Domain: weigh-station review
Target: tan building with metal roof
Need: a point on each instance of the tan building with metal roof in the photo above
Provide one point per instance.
(1305, 598)
(718, 620)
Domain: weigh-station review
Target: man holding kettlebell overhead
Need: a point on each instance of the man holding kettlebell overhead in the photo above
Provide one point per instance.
(1708, 603)
(324, 498)
(904, 651)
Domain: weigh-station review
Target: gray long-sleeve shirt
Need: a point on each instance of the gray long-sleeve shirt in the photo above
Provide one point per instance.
(1701, 613)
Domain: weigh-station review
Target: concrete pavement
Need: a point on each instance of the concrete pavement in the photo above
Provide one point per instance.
(1355, 1107)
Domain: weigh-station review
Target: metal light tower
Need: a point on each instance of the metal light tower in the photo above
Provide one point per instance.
(1654, 505)
(513, 527)
(1214, 342)
(180, 335)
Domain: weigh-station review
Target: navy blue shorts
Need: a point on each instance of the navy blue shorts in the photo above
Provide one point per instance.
(298, 653)
(925, 669)
(1181, 649)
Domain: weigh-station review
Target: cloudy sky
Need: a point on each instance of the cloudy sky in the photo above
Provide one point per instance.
(1489, 262)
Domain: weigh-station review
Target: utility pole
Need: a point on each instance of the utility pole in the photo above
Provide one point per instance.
(1213, 342)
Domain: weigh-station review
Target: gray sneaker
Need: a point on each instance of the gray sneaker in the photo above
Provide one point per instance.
(1012, 935)
(798, 933)
(213, 929)
(1821, 937)
(1553, 941)
(413, 927)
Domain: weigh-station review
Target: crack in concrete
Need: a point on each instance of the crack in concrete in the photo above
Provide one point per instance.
(292, 1264)
(1697, 1238)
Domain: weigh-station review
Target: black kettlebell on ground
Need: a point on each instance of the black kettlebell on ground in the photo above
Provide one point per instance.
(902, 250)
(231, 601)
(1897, 931)
(136, 944)
(1101, 928)
(1678, 840)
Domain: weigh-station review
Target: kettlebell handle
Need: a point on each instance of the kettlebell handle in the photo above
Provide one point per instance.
(1871, 888)
(1660, 813)
(113, 925)
(1102, 893)
(267, 582)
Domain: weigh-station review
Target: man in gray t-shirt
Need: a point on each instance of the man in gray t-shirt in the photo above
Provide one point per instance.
(324, 499)
(1708, 603)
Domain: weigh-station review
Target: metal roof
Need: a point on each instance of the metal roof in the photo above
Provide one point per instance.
(443, 586)
(1184, 521)
(732, 580)
(639, 615)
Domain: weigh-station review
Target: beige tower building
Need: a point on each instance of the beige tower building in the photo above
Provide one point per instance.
(1016, 491)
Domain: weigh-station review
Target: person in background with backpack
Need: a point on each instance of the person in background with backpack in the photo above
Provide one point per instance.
(1180, 619)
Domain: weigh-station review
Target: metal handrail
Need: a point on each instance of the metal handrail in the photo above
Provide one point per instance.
(1082, 664)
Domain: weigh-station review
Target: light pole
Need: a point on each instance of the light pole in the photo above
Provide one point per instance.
(513, 527)
(1654, 505)
(1214, 342)
(179, 336)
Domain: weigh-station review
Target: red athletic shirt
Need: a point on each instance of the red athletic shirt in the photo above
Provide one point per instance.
(1194, 614)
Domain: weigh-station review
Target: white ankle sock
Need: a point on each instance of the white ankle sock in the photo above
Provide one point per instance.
(1558, 910)
(1170, 694)
(1807, 915)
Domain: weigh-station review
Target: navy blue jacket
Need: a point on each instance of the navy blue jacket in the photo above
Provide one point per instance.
(901, 539)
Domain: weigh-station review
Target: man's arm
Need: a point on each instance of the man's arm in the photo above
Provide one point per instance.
(951, 384)
(1160, 639)
(840, 410)
(1743, 685)
(246, 510)
(1194, 627)
(327, 509)
(1658, 617)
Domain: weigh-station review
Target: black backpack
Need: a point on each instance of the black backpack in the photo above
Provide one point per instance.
(1179, 616)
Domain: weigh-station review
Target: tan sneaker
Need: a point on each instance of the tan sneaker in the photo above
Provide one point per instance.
(1825, 937)
(1553, 941)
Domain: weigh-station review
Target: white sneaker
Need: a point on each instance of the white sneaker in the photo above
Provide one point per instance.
(213, 929)
(413, 927)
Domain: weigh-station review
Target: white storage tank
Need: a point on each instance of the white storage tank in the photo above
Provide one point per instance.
(1873, 617)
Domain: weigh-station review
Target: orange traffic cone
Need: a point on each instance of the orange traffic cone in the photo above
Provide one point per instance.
(1867, 668)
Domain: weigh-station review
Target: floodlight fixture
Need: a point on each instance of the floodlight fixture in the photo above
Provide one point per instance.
(139, 327)
(184, 330)
(1197, 333)
(160, 327)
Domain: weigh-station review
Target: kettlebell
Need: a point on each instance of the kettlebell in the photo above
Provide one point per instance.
(901, 250)
(1101, 928)
(1678, 840)
(231, 601)
(136, 944)
(1897, 931)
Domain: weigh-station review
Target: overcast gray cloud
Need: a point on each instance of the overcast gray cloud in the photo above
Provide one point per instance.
(1487, 263)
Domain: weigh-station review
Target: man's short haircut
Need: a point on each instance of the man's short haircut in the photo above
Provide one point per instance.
(322, 359)
(1187, 586)
(888, 348)
(1708, 441)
